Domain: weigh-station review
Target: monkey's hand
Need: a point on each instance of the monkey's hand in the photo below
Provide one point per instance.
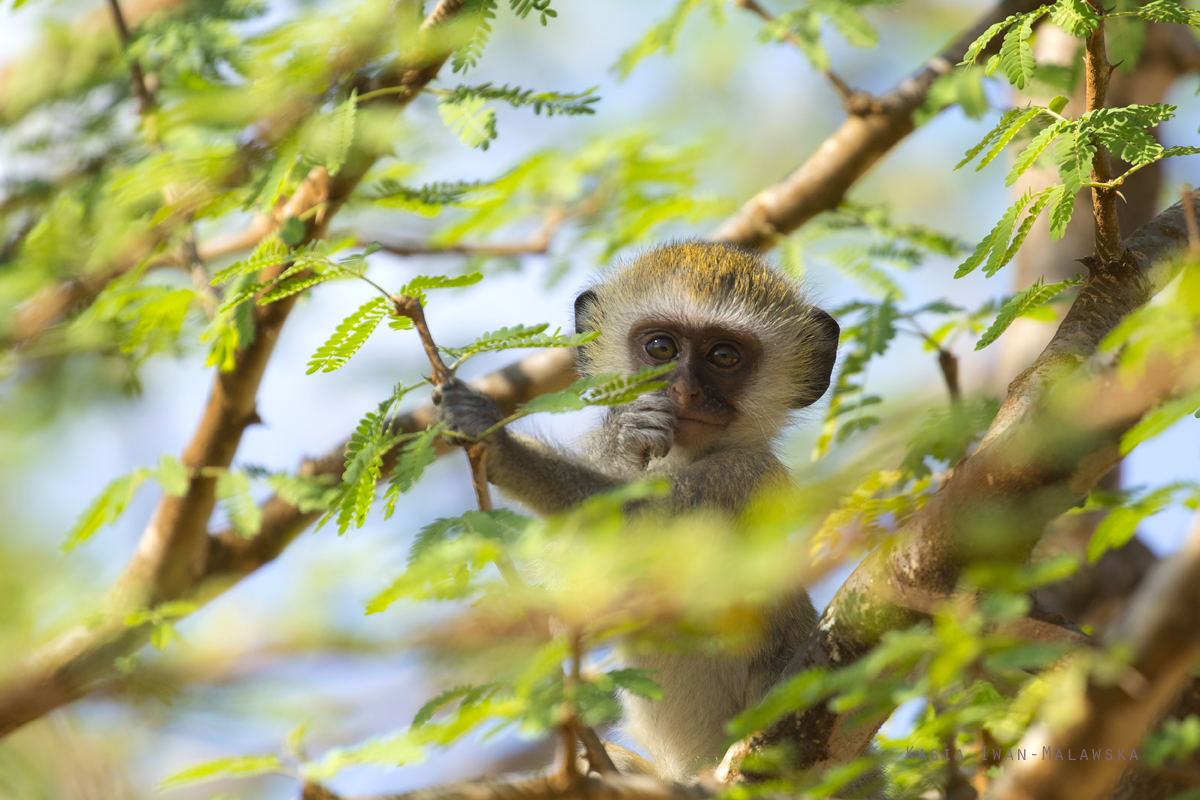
(465, 410)
(645, 428)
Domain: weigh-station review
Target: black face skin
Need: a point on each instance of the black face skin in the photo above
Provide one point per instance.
(714, 367)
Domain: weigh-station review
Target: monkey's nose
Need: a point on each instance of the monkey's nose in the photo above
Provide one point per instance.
(684, 388)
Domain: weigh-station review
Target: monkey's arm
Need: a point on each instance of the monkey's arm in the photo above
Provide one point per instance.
(529, 471)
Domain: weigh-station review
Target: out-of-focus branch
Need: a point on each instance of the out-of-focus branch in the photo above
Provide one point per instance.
(1035, 462)
(172, 556)
(607, 787)
(821, 182)
(855, 100)
(145, 99)
(537, 244)
(1160, 627)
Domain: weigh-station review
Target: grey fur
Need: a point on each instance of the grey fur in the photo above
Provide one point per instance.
(685, 731)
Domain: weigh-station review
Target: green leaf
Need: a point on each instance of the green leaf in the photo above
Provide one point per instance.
(233, 486)
(1039, 203)
(172, 476)
(416, 454)
(662, 36)
(480, 13)
(471, 120)
(1006, 136)
(294, 285)
(342, 133)
(805, 26)
(1022, 303)
(849, 22)
(426, 712)
(519, 336)
(1005, 121)
(550, 103)
(106, 508)
(1075, 17)
(350, 336)
(1159, 419)
(1062, 203)
(1034, 150)
(1118, 527)
(392, 751)
(1015, 54)
(985, 38)
(1167, 11)
(234, 766)
(293, 231)
(1073, 154)
(418, 285)
(1058, 104)
(636, 681)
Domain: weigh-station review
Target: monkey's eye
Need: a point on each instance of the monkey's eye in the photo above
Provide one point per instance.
(661, 348)
(724, 355)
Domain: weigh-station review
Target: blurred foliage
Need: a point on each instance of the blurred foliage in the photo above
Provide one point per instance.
(249, 98)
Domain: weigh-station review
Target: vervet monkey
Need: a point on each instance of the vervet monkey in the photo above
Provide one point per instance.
(749, 348)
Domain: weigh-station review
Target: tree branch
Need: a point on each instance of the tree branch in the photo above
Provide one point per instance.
(1159, 626)
(821, 182)
(1035, 462)
(606, 787)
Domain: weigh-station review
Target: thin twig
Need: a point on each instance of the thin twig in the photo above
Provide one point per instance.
(410, 307)
(145, 99)
(537, 244)
(856, 101)
(1104, 200)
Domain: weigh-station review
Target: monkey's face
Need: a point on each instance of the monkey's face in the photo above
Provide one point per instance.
(715, 365)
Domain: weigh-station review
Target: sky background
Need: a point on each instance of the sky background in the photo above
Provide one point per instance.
(760, 109)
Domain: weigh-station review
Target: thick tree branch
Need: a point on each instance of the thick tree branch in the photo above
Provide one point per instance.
(1037, 460)
(172, 556)
(821, 182)
(1159, 627)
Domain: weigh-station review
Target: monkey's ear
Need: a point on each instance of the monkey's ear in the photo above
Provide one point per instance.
(821, 344)
(585, 309)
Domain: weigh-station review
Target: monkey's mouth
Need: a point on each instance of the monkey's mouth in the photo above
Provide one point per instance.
(693, 432)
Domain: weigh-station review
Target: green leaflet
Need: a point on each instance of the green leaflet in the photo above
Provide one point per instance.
(471, 120)
(341, 133)
(1015, 54)
(662, 36)
(1159, 419)
(350, 336)
(1075, 17)
(1007, 135)
(1040, 201)
(1062, 203)
(1029, 156)
(551, 103)
(518, 336)
(985, 38)
(481, 13)
(415, 455)
(106, 508)
(233, 486)
(996, 243)
(1121, 523)
(805, 25)
(1073, 154)
(1168, 11)
(1022, 303)
(239, 766)
(500, 524)
(1001, 126)
(418, 285)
